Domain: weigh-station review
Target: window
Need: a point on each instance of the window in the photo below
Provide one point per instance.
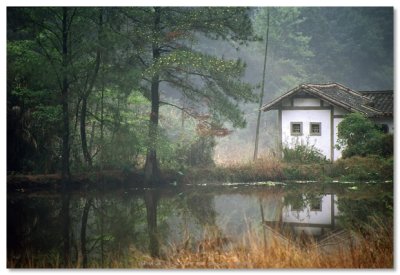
(384, 128)
(316, 204)
(315, 128)
(296, 128)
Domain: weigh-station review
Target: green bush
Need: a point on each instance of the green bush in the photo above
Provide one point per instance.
(303, 153)
(358, 136)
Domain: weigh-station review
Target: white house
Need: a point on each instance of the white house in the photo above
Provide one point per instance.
(310, 113)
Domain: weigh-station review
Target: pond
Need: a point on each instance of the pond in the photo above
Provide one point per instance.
(129, 227)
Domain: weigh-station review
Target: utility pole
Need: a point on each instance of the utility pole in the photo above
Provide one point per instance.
(262, 91)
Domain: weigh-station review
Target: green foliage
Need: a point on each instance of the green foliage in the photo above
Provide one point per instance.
(387, 145)
(179, 145)
(201, 152)
(205, 78)
(363, 168)
(303, 153)
(358, 136)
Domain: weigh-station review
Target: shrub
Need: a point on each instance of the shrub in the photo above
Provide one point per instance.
(303, 153)
(363, 168)
(360, 137)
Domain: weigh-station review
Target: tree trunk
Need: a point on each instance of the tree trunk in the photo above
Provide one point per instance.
(92, 130)
(85, 150)
(151, 167)
(64, 102)
(65, 173)
(86, 153)
(262, 92)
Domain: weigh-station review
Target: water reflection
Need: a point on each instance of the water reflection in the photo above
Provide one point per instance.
(306, 218)
(151, 200)
(98, 228)
(65, 225)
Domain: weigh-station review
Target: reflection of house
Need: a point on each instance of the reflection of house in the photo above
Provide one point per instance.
(316, 217)
(310, 113)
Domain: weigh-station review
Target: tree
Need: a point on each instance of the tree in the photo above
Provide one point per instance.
(100, 77)
(169, 62)
(33, 103)
(52, 28)
(358, 136)
(90, 80)
(262, 90)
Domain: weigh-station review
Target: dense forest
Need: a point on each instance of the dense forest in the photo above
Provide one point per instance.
(168, 87)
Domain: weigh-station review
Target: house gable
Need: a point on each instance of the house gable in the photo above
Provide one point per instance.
(310, 113)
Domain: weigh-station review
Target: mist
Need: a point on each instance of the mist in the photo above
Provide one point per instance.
(350, 46)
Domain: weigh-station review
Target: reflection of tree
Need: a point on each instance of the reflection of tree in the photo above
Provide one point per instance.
(32, 227)
(151, 198)
(356, 213)
(114, 225)
(65, 225)
(296, 201)
(85, 216)
(202, 208)
(299, 202)
(104, 227)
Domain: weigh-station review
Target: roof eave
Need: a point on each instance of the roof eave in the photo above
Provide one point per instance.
(269, 106)
(316, 92)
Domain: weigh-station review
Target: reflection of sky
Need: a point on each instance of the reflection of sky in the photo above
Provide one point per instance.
(235, 215)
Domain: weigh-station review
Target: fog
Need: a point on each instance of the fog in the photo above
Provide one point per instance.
(351, 46)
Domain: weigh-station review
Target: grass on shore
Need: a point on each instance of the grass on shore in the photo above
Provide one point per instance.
(274, 169)
(371, 248)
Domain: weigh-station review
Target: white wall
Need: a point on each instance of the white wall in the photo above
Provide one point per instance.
(306, 102)
(339, 111)
(322, 142)
(308, 216)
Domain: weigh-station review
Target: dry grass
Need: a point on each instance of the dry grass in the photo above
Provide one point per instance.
(265, 168)
(362, 252)
(371, 249)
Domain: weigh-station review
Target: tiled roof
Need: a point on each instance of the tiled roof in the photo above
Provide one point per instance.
(337, 94)
(381, 100)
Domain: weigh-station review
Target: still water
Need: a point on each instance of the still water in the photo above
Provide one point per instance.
(97, 227)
